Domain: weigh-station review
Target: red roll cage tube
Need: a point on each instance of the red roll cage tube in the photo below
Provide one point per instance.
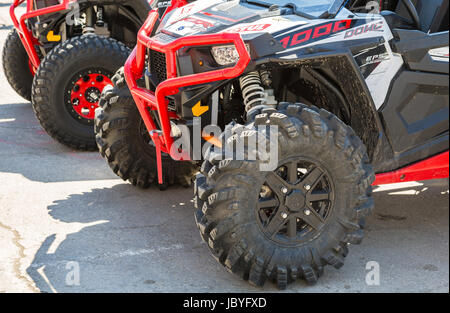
(25, 34)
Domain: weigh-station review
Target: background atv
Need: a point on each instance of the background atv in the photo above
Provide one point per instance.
(61, 55)
(347, 95)
(48, 23)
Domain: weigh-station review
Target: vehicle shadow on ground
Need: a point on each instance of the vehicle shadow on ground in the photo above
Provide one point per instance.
(408, 234)
(146, 241)
(133, 241)
(25, 148)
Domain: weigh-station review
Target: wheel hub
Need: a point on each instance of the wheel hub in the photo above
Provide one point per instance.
(85, 94)
(92, 94)
(295, 201)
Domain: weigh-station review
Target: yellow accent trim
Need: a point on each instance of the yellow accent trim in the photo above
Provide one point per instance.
(198, 109)
(52, 37)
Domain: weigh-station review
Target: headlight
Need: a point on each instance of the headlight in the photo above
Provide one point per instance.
(225, 55)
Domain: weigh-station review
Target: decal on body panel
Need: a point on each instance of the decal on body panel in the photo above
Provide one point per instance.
(249, 28)
(190, 9)
(357, 31)
(379, 80)
(369, 59)
(315, 33)
(267, 25)
(379, 65)
(191, 25)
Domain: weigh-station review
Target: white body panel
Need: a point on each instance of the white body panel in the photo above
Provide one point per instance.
(183, 22)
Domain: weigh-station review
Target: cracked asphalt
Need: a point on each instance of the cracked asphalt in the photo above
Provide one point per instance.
(62, 210)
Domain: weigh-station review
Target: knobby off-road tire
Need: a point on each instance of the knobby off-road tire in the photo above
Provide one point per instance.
(55, 79)
(227, 195)
(124, 142)
(16, 65)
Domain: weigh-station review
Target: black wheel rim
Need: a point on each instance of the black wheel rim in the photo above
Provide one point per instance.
(295, 201)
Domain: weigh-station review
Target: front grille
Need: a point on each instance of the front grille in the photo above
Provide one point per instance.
(159, 73)
(158, 66)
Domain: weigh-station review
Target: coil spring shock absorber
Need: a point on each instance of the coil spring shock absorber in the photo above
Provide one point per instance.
(89, 27)
(254, 95)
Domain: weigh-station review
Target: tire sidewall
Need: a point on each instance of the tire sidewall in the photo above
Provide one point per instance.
(16, 65)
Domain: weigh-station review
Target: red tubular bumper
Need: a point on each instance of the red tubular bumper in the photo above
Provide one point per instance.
(147, 100)
(25, 34)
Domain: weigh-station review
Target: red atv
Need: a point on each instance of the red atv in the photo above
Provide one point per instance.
(61, 54)
(293, 109)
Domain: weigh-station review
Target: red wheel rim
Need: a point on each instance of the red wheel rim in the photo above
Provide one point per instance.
(86, 93)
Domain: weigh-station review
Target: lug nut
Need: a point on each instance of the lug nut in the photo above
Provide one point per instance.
(307, 212)
(284, 215)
